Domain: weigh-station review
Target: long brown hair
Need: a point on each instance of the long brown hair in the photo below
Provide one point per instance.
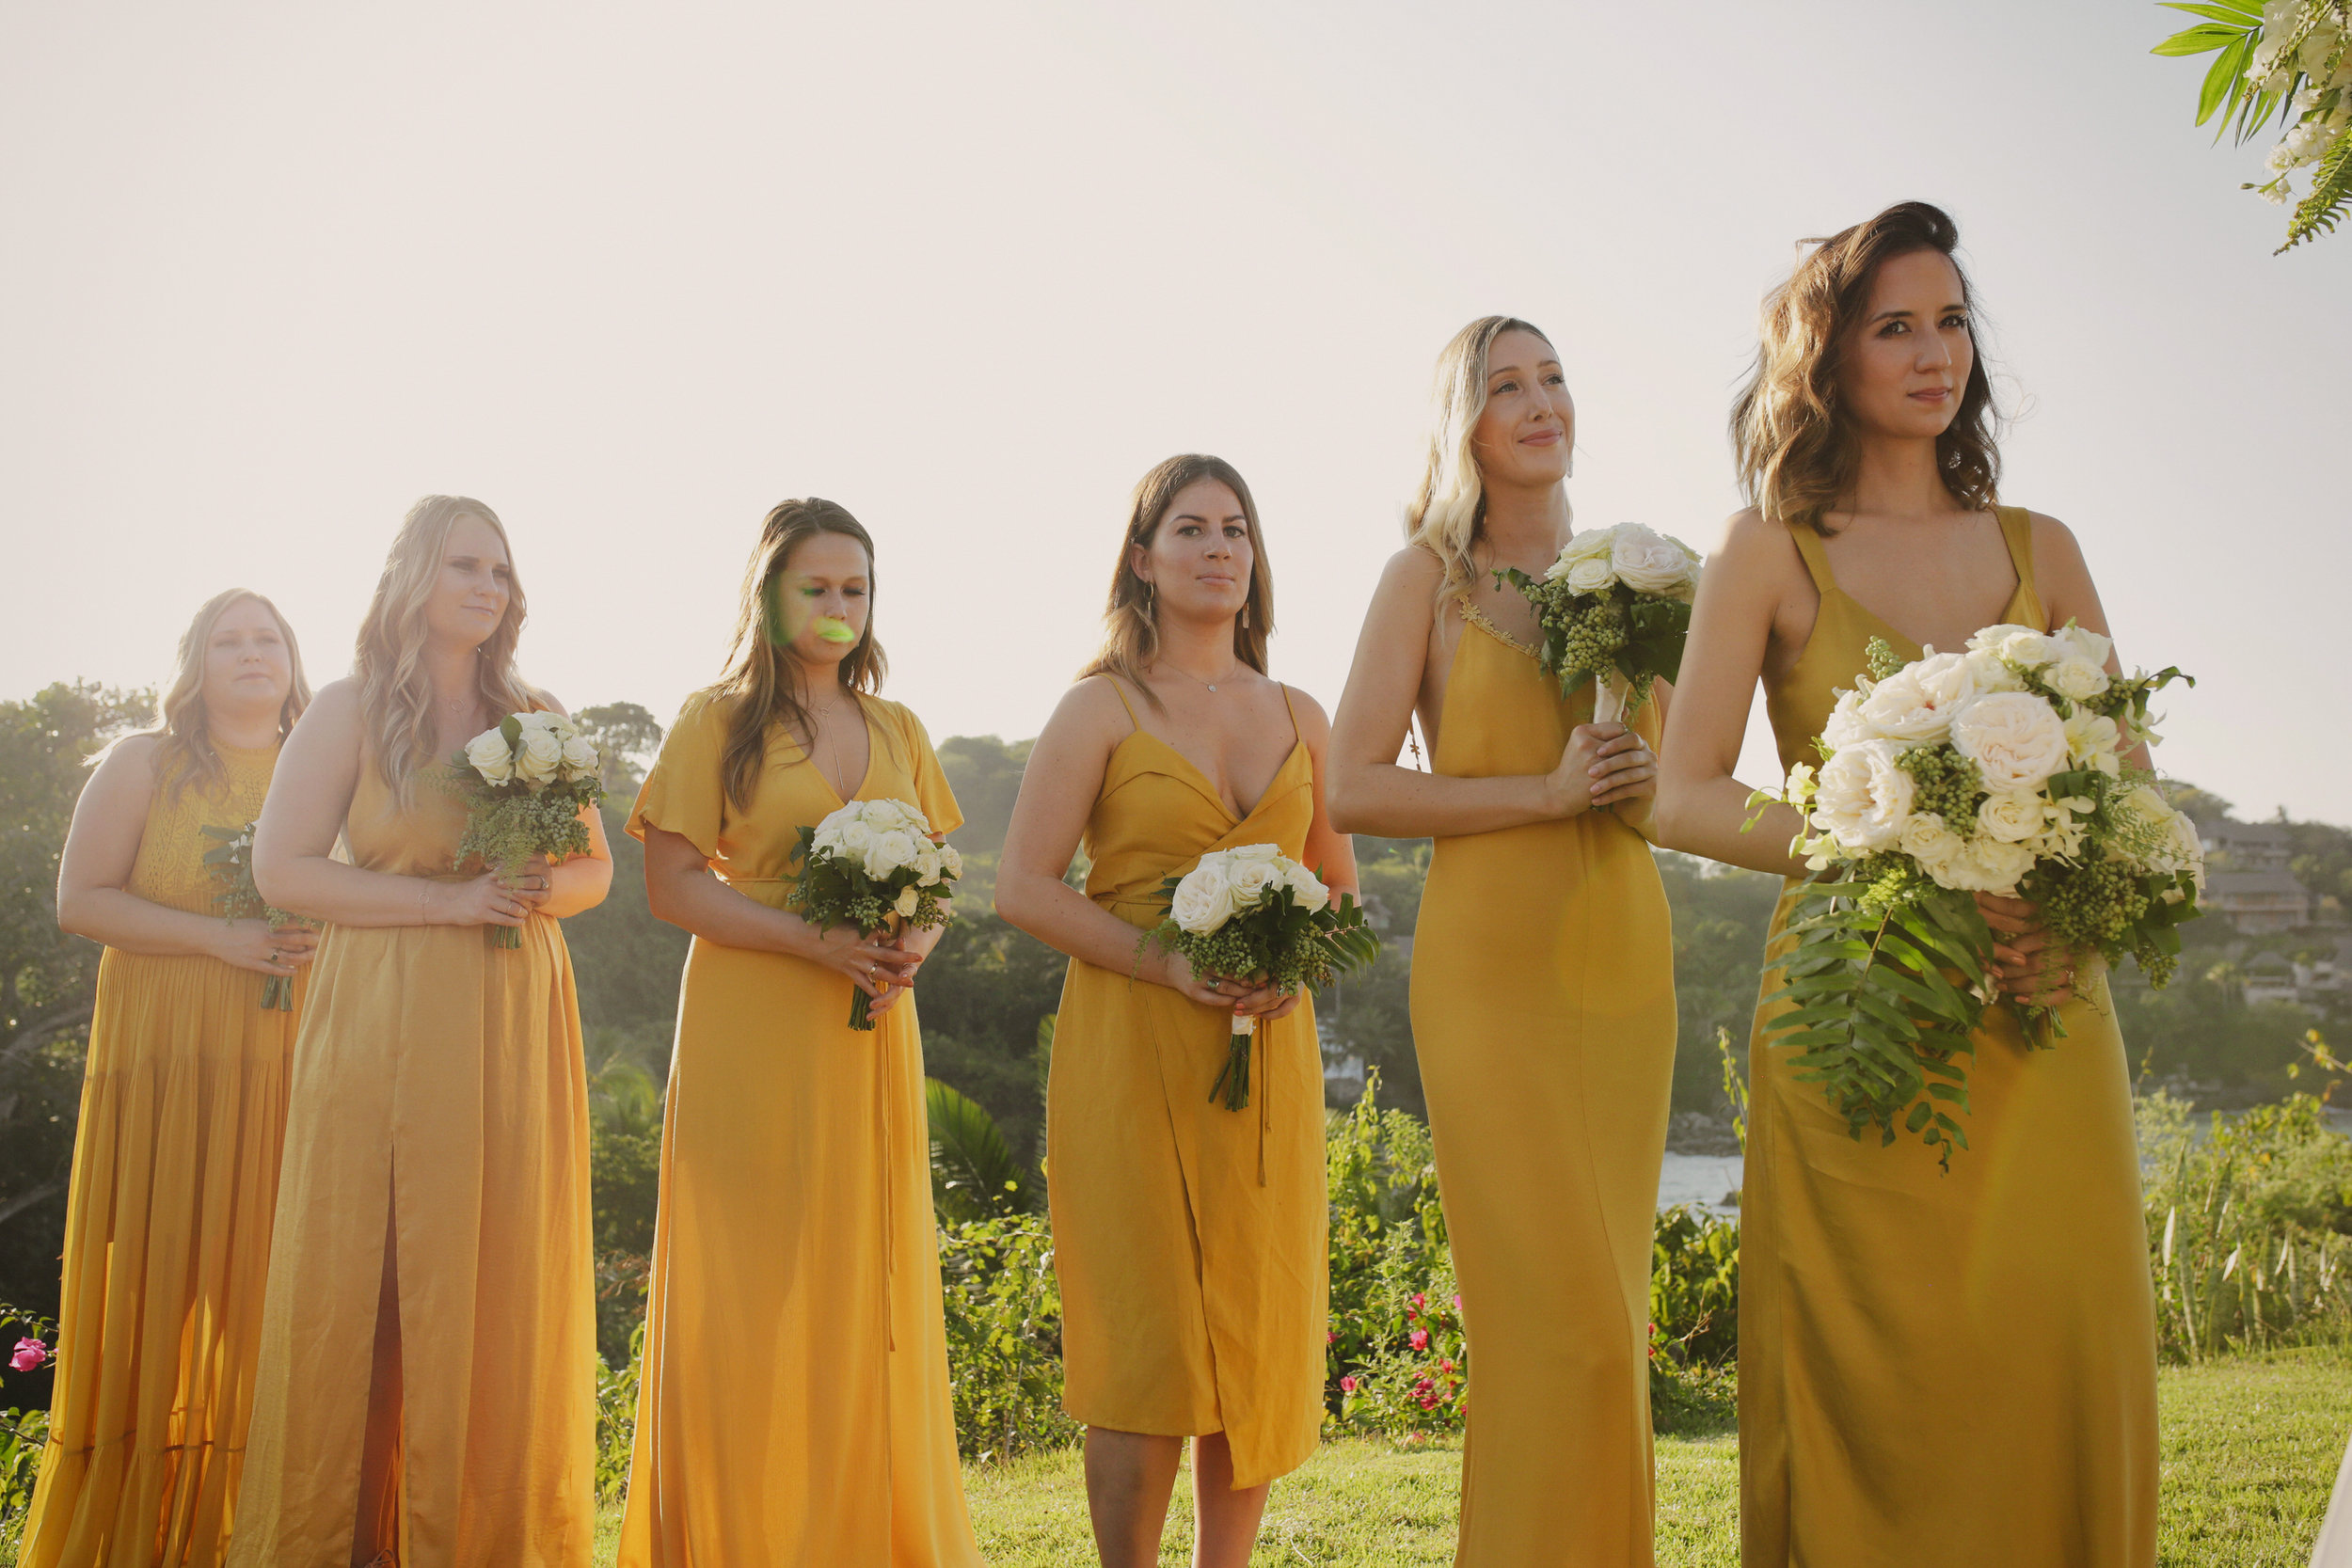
(762, 677)
(1451, 506)
(1795, 444)
(1131, 627)
(395, 689)
(183, 745)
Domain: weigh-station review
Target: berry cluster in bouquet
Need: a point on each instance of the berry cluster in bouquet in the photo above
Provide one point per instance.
(876, 865)
(1255, 916)
(528, 784)
(1615, 609)
(231, 865)
(1997, 771)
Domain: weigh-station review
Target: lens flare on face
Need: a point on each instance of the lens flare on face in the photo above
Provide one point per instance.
(834, 629)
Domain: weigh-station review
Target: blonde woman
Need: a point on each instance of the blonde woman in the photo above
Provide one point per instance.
(183, 1103)
(1188, 1237)
(428, 1353)
(1543, 981)
(1934, 1367)
(795, 1407)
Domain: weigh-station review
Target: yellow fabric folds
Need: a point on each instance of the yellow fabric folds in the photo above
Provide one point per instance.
(1544, 1019)
(795, 1410)
(1944, 1370)
(168, 1226)
(1194, 1297)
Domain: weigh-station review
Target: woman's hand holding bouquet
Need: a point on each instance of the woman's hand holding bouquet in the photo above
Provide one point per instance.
(870, 868)
(528, 783)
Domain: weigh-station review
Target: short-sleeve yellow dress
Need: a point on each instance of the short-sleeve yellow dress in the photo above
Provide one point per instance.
(794, 1408)
(1944, 1370)
(438, 1093)
(1544, 1022)
(168, 1222)
(1188, 1238)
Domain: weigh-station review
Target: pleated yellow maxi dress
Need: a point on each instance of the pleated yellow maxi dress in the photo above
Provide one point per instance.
(167, 1225)
(1188, 1238)
(1944, 1372)
(438, 1090)
(795, 1410)
(1543, 1011)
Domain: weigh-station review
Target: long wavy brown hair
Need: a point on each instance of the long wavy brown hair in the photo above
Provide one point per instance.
(763, 679)
(395, 691)
(1795, 445)
(183, 745)
(1449, 508)
(1131, 627)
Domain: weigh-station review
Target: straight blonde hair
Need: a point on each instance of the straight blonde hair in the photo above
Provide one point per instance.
(1450, 509)
(183, 743)
(395, 691)
(1131, 627)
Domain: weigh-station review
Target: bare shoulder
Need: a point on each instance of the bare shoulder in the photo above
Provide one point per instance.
(1411, 570)
(2054, 543)
(1092, 708)
(1313, 723)
(336, 704)
(1754, 543)
(130, 763)
(548, 700)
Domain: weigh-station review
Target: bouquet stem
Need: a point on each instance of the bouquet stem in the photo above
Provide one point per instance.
(1609, 693)
(505, 937)
(861, 1016)
(1233, 1082)
(278, 994)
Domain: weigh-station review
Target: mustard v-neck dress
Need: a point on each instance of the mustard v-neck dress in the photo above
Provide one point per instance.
(795, 1410)
(1188, 1238)
(1944, 1372)
(437, 1085)
(1543, 1008)
(168, 1224)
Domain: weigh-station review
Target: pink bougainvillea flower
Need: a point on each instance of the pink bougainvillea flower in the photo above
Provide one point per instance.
(1330, 1336)
(30, 1353)
(1446, 1364)
(1418, 1301)
(1419, 1339)
(1347, 1386)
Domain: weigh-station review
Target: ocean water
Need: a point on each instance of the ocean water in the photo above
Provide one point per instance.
(1703, 1180)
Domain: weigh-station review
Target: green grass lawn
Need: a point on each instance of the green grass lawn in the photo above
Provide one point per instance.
(2251, 1449)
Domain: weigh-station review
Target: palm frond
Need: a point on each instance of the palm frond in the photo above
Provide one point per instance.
(2331, 193)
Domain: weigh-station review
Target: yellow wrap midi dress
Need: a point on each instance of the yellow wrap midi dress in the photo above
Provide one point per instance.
(795, 1409)
(1944, 1370)
(167, 1222)
(1188, 1238)
(438, 1094)
(1543, 1009)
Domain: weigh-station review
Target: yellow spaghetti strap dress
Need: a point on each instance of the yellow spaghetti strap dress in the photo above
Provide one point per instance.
(1944, 1372)
(168, 1224)
(795, 1410)
(1543, 1009)
(1188, 1238)
(439, 1092)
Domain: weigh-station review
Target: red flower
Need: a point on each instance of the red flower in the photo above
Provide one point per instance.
(1330, 1336)
(1347, 1386)
(1418, 1301)
(1419, 1339)
(1446, 1364)
(30, 1353)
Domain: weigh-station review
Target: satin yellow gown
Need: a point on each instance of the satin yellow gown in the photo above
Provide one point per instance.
(795, 1409)
(438, 1096)
(1944, 1372)
(1188, 1238)
(1543, 1010)
(168, 1224)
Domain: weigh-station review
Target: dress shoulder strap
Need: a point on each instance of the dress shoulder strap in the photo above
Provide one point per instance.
(2017, 534)
(1121, 690)
(1292, 711)
(1809, 544)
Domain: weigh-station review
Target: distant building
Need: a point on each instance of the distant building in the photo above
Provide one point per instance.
(2248, 881)
(2248, 846)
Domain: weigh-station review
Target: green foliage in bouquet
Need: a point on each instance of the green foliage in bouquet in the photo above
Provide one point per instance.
(2289, 62)
(1638, 636)
(833, 885)
(231, 862)
(519, 808)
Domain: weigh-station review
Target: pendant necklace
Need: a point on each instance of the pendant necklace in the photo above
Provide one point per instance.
(1210, 684)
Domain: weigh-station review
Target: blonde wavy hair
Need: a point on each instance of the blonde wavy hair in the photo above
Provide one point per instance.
(1131, 627)
(1796, 448)
(762, 679)
(183, 744)
(396, 691)
(1446, 514)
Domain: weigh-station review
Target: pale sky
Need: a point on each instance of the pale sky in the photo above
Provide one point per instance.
(632, 274)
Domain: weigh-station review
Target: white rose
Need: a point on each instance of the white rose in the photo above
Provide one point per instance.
(888, 852)
(1268, 852)
(910, 899)
(853, 839)
(1918, 702)
(1590, 576)
(2011, 816)
(579, 756)
(2015, 740)
(927, 861)
(885, 816)
(537, 755)
(490, 757)
(2077, 679)
(1864, 797)
(1581, 546)
(1307, 888)
(1988, 672)
(1925, 839)
(825, 840)
(1251, 878)
(1649, 563)
(538, 719)
(2074, 642)
(1845, 726)
(1204, 899)
(1988, 866)
(951, 861)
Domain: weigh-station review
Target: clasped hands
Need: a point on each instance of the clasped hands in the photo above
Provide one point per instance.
(2029, 965)
(1602, 765)
(1238, 997)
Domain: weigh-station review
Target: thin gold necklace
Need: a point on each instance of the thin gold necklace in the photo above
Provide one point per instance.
(1191, 677)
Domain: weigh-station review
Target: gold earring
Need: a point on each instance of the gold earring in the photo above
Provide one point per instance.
(1149, 609)
(1244, 616)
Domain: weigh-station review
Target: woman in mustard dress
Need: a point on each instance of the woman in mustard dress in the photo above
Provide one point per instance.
(794, 1410)
(1938, 1370)
(1188, 1237)
(427, 1383)
(183, 1110)
(1543, 971)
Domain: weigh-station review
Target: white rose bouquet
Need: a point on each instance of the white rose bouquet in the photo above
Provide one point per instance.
(1615, 608)
(231, 862)
(876, 865)
(1255, 915)
(1993, 770)
(527, 781)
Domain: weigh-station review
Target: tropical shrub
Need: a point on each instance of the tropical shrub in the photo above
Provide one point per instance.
(1004, 1336)
(26, 1340)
